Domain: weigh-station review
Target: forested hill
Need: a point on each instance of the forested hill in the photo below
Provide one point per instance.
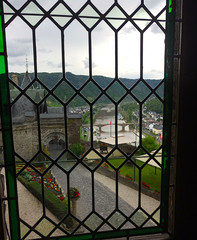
(115, 91)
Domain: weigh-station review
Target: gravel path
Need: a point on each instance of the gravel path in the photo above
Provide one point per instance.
(105, 197)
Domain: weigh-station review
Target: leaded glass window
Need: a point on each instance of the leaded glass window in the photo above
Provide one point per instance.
(86, 111)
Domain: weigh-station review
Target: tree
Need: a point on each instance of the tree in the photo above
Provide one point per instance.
(149, 143)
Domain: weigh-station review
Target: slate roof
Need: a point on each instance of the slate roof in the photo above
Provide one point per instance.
(26, 80)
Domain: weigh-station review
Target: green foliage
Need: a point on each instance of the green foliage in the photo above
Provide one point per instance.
(77, 149)
(86, 118)
(74, 193)
(154, 105)
(127, 110)
(26, 175)
(149, 143)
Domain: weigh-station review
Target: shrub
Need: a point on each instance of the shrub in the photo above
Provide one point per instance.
(77, 149)
(74, 193)
(26, 175)
(149, 143)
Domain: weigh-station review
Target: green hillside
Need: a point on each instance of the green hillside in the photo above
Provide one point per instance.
(91, 91)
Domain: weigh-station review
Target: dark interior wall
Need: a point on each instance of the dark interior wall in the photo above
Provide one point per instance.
(186, 185)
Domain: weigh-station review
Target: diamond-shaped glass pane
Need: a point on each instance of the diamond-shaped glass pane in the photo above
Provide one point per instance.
(61, 10)
(116, 159)
(116, 91)
(93, 222)
(45, 227)
(91, 13)
(67, 161)
(102, 81)
(144, 18)
(90, 91)
(41, 162)
(92, 160)
(160, 91)
(116, 219)
(115, 13)
(36, 92)
(32, 8)
(116, 17)
(61, 15)
(139, 217)
(141, 91)
(64, 91)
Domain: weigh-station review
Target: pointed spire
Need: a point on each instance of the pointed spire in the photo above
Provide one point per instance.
(26, 80)
(26, 64)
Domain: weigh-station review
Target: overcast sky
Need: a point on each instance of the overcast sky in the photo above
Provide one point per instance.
(48, 41)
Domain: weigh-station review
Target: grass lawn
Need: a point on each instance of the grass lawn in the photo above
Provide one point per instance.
(147, 173)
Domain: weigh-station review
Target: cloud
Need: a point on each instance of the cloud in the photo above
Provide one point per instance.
(129, 29)
(53, 65)
(45, 50)
(86, 63)
(155, 4)
(19, 51)
(156, 29)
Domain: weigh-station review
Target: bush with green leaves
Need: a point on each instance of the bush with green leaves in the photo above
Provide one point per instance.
(26, 175)
(77, 148)
(149, 143)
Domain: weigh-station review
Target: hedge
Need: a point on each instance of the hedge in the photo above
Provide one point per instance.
(57, 207)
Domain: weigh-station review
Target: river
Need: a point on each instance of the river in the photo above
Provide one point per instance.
(106, 116)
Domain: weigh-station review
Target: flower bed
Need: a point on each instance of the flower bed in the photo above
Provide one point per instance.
(127, 176)
(49, 181)
(145, 185)
(54, 200)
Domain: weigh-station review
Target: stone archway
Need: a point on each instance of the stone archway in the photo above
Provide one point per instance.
(54, 143)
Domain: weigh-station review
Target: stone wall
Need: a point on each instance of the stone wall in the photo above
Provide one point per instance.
(26, 138)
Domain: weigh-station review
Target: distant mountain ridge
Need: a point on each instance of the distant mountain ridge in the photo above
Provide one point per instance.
(90, 91)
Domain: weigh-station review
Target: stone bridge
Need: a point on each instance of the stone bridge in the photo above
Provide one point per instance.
(123, 125)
